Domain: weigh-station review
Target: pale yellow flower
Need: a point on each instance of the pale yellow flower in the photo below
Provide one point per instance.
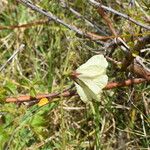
(91, 78)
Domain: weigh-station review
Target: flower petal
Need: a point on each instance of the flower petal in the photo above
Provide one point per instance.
(87, 93)
(101, 81)
(91, 72)
(81, 93)
(96, 60)
(92, 78)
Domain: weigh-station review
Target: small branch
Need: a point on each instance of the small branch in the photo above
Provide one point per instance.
(141, 43)
(128, 82)
(140, 70)
(94, 36)
(27, 25)
(119, 14)
(50, 16)
(26, 98)
(57, 20)
(113, 61)
(68, 92)
(78, 15)
(105, 16)
(12, 57)
(110, 47)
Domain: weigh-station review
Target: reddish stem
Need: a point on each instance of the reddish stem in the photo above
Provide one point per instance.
(68, 93)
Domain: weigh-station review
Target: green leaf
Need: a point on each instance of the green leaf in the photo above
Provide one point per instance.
(3, 137)
(37, 121)
(32, 92)
(10, 87)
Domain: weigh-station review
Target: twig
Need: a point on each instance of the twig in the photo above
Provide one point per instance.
(94, 36)
(69, 92)
(105, 16)
(26, 98)
(141, 61)
(50, 16)
(140, 70)
(128, 82)
(12, 56)
(40, 22)
(120, 14)
(141, 43)
(107, 19)
(57, 20)
(78, 15)
(111, 46)
(113, 61)
(27, 25)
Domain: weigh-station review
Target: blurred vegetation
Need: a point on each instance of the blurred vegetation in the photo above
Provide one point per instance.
(52, 50)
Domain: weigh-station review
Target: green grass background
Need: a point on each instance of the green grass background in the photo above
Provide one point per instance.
(51, 51)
